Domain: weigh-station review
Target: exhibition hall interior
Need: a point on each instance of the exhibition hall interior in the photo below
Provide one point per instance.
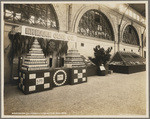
(77, 58)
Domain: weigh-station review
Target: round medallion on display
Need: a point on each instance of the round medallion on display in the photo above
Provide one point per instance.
(59, 77)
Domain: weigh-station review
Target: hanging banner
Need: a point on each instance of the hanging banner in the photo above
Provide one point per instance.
(46, 34)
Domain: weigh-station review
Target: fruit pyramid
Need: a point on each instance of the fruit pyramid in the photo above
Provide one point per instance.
(74, 59)
(35, 59)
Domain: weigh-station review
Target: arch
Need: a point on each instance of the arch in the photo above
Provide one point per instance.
(135, 28)
(86, 8)
(40, 15)
(56, 16)
(129, 35)
(94, 23)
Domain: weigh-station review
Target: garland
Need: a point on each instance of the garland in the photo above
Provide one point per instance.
(21, 45)
(49, 46)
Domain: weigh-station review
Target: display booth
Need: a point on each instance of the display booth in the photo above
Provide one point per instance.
(45, 62)
(127, 62)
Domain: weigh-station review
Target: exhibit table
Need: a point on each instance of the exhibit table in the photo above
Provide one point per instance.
(127, 69)
(40, 80)
(127, 62)
(78, 75)
(60, 76)
(91, 70)
(35, 81)
(101, 71)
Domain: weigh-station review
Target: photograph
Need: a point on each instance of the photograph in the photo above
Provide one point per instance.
(74, 59)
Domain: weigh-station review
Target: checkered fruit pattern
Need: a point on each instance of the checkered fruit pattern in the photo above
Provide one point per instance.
(78, 75)
(34, 81)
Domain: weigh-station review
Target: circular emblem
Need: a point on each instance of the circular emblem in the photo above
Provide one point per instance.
(59, 77)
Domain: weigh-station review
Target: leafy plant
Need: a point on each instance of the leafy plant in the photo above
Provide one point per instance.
(49, 46)
(63, 47)
(20, 44)
(101, 56)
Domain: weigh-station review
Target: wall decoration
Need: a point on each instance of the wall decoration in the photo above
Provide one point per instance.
(41, 15)
(95, 24)
(130, 36)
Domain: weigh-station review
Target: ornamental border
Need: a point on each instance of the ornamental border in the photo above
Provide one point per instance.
(63, 81)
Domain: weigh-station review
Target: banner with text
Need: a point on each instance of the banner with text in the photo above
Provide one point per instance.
(46, 34)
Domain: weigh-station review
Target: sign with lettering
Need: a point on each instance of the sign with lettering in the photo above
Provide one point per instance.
(80, 75)
(60, 77)
(102, 68)
(46, 34)
(39, 81)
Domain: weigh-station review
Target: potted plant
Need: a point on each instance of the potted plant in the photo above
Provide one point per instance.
(101, 57)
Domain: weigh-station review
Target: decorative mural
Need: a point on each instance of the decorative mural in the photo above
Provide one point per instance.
(41, 15)
(95, 24)
(130, 36)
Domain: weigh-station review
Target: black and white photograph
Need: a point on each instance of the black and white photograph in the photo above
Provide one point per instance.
(74, 59)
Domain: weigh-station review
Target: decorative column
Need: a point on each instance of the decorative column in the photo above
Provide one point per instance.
(119, 26)
(142, 39)
(69, 16)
